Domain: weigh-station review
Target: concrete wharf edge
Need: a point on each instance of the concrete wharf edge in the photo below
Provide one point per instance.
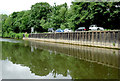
(81, 43)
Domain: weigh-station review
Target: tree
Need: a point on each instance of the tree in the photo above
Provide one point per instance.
(25, 21)
(56, 18)
(86, 13)
(39, 11)
(43, 16)
(17, 16)
(7, 27)
(3, 17)
(78, 15)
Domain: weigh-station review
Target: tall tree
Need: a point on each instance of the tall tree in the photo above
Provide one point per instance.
(56, 18)
(25, 21)
(39, 11)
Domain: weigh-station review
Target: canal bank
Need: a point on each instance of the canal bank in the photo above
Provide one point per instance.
(106, 39)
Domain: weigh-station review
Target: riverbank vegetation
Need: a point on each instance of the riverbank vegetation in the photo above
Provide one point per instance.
(14, 35)
(42, 16)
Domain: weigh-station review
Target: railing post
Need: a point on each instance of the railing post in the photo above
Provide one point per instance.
(89, 37)
(119, 39)
(82, 37)
(96, 37)
(85, 37)
(113, 38)
(92, 37)
(108, 38)
(77, 36)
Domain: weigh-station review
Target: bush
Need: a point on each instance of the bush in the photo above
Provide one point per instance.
(19, 35)
(26, 35)
(14, 35)
(5, 34)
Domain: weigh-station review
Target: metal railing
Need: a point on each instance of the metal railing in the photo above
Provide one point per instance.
(92, 37)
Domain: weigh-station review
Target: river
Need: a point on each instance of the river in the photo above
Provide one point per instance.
(43, 60)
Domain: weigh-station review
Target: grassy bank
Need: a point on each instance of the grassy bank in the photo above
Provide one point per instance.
(14, 35)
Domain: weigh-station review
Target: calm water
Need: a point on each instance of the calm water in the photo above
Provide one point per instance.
(39, 60)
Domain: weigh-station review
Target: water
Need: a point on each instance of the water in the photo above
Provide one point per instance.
(40, 60)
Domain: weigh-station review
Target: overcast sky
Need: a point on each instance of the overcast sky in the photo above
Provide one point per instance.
(9, 6)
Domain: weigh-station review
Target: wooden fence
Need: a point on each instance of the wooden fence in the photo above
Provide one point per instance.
(93, 38)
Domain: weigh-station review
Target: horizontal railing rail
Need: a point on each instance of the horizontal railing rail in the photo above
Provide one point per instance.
(110, 38)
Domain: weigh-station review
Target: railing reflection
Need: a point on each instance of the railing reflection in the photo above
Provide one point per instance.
(107, 57)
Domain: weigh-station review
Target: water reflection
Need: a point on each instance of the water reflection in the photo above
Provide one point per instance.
(16, 71)
(0, 61)
(11, 40)
(107, 57)
(55, 60)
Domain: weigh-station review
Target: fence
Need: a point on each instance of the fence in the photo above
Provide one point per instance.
(93, 38)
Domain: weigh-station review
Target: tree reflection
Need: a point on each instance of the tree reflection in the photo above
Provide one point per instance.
(42, 62)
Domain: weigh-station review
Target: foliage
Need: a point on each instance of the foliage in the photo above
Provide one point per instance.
(14, 35)
(42, 16)
(39, 12)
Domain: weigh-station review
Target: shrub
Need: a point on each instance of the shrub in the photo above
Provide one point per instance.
(5, 34)
(14, 35)
(113, 44)
(26, 35)
(19, 35)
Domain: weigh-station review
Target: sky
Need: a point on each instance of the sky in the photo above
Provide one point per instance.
(10, 6)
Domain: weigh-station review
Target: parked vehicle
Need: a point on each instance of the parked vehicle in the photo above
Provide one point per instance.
(81, 29)
(68, 30)
(59, 30)
(94, 27)
(50, 29)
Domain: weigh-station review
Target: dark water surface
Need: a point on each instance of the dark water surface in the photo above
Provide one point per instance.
(40, 60)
